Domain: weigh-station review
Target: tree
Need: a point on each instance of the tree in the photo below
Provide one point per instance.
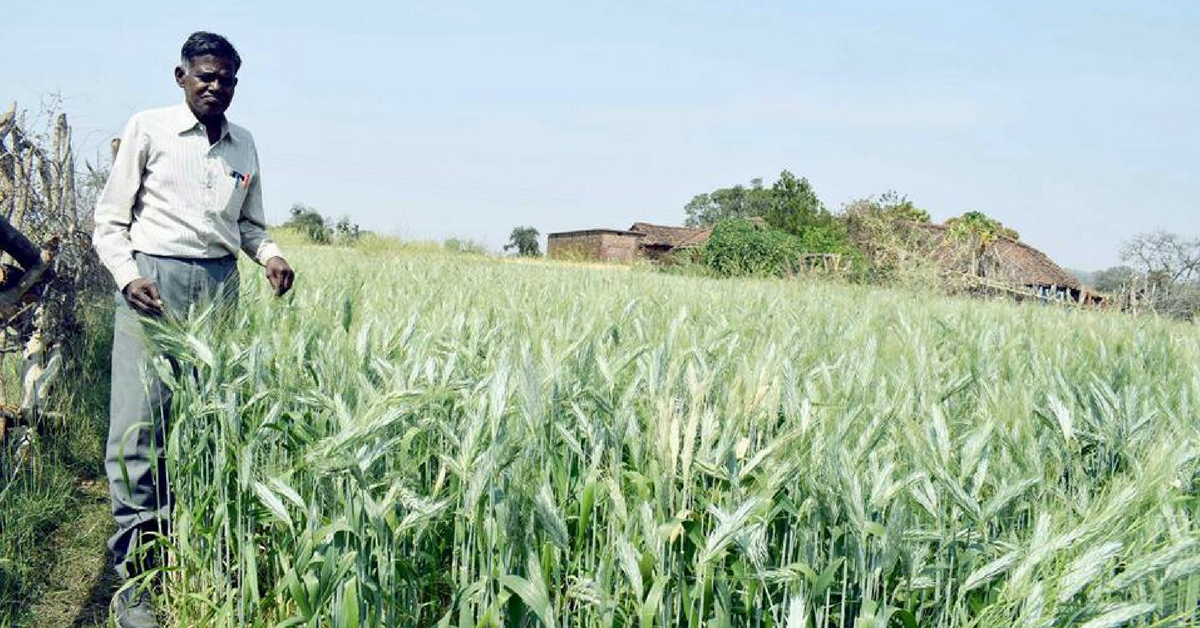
(978, 230)
(345, 231)
(1170, 267)
(1168, 258)
(884, 229)
(525, 241)
(309, 222)
(728, 203)
(897, 206)
(979, 224)
(794, 205)
(1114, 279)
(738, 247)
(795, 209)
(464, 245)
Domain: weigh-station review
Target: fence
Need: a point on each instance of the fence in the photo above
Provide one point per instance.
(45, 231)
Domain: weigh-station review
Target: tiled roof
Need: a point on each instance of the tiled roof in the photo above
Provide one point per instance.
(674, 237)
(1014, 261)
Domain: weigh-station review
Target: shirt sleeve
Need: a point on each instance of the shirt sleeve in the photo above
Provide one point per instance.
(114, 208)
(253, 222)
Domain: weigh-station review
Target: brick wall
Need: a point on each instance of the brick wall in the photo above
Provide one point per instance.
(618, 248)
(564, 246)
(596, 245)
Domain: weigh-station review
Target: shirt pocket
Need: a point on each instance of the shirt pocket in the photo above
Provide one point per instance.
(235, 187)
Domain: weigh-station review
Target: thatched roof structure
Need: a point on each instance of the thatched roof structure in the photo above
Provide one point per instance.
(1023, 264)
(671, 237)
(1003, 259)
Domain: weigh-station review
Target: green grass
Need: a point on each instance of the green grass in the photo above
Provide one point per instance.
(41, 497)
(416, 439)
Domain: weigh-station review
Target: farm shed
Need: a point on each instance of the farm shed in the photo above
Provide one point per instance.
(1006, 261)
(641, 241)
(609, 245)
(661, 240)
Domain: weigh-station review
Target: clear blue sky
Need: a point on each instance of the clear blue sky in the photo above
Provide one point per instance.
(1074, 122)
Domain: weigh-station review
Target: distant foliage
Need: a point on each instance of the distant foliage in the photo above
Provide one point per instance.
(884, 230)
(524, 240)
(790, 205)
(346, 232)
(727, 203)
(979, 225)
(317, 229)
(1170, 257)
(1167, 272)
(740, 248)
(465, 246)
(1114, 279)
(307, 221)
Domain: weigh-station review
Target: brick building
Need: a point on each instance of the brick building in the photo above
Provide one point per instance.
(641, 241)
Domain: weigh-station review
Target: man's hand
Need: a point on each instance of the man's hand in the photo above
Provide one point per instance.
(280, 275)
(142, 295)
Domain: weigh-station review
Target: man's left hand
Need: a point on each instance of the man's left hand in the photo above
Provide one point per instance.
(280, 275)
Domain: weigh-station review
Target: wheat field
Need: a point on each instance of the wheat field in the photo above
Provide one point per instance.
(416, 439)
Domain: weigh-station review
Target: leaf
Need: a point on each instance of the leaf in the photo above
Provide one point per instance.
(350, 618)
(650, 606)
(906, 617)
(532, 592)
(347, 312)
(822, 582)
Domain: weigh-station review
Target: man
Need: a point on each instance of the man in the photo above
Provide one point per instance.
(183, 197)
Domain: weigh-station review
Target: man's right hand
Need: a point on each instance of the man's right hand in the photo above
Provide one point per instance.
(142, 295)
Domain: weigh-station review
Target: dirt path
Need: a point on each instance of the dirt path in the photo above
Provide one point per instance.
(80, 581)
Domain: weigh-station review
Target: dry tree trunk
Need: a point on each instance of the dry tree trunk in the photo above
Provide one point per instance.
(65, 158)
(24, 168)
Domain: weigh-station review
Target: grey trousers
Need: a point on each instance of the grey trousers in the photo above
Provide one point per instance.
(140, 404)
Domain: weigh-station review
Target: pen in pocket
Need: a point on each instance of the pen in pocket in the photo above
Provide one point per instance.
(243, 180)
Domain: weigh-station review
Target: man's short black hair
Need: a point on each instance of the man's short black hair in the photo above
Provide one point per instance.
(202, 43)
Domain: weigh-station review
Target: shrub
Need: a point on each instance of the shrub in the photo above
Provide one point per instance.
(464, 245)
(310, 223)
(739, 248)
(345, 232)
(317, 229)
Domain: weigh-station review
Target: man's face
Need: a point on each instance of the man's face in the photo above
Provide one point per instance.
(208, 83)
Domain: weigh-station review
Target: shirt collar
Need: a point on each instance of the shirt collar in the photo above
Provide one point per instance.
(186, 121)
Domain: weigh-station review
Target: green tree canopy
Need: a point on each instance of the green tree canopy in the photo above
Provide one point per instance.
(738, 247)
(309, 222)
(796, 210)
(1114, 279)
(727, 203)
(979, 224)
(790, 205)
(525, 241)
(318, 229)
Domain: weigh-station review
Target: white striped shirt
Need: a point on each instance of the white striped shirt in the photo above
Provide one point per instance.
(171, 193)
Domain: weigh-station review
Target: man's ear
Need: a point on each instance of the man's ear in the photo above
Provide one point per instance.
(179, 74)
